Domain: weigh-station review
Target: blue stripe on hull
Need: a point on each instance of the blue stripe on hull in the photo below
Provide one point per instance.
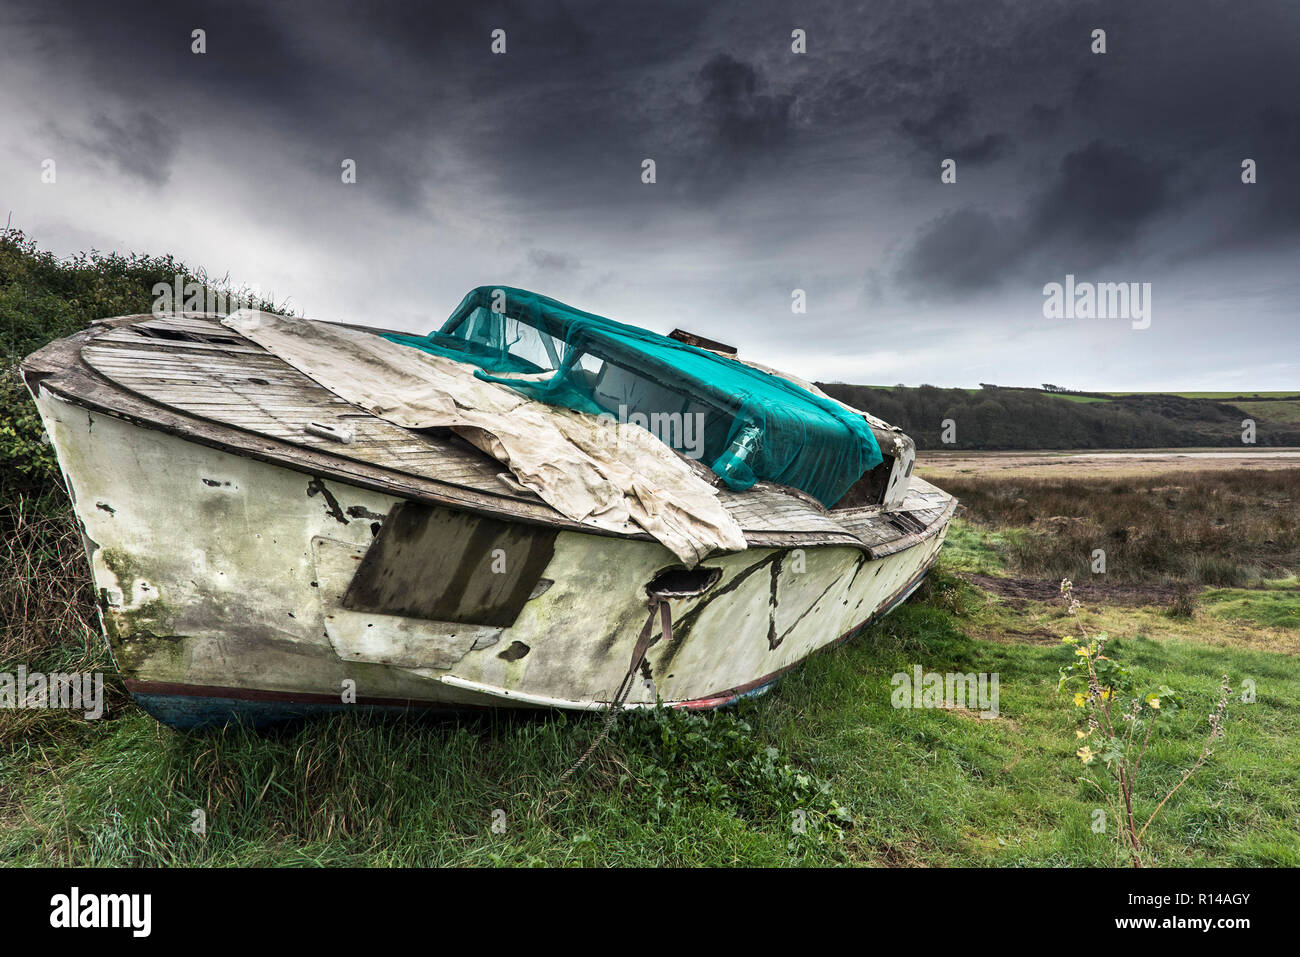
(193, 713)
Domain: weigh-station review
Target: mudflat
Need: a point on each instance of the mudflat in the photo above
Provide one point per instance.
(1102, 462)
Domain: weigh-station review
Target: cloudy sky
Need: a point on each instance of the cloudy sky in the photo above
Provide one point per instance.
(774, 170)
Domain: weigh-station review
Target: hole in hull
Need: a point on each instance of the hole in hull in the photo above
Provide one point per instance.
(516, 651)
(681, 582)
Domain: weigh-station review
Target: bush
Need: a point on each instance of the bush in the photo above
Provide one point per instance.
(43, 298)
(676, 756)
(27, 463)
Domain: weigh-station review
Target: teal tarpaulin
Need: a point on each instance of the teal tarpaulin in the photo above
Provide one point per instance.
(746, 424)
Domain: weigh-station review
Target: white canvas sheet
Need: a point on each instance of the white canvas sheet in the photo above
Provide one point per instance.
(609, 475)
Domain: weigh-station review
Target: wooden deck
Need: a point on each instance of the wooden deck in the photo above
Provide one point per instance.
(192, 376)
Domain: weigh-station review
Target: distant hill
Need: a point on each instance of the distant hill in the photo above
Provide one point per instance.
(1010, 418)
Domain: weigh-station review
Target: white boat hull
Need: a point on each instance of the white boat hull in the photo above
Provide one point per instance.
(221, 582)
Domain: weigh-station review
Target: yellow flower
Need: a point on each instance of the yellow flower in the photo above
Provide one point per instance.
(1107, 695)
(1080, 699)
(1070, 641)
(1085, 754)
(1080, 651)
(1154, 702)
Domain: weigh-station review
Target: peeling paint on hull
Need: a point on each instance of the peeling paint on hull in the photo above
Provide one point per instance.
(220, 589)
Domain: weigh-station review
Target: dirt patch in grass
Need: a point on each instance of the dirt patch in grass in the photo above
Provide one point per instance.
(973, 715)
(1022, 636)
(899, 853)
(1110, 593)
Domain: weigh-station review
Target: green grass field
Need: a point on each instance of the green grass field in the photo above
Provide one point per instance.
(1274, 606)
(1221, 396)
(1276, 411)
(877, 785)
(1278, 407)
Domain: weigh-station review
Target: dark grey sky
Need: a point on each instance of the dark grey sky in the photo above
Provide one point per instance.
(775, 170)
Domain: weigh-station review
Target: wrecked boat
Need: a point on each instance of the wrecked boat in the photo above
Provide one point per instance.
(531, 507)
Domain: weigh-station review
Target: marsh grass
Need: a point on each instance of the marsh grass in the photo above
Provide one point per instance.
(1213, 528)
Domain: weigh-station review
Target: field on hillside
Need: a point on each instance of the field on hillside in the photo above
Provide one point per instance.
(1221, 396)
(1279, 407)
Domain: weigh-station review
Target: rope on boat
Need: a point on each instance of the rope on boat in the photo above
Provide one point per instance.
(644, 641)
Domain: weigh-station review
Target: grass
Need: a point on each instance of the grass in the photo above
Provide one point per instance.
(44, 589)
(1274, 606)
(984, 551)
(918, 787)
(1287, 412)
(1220, 396)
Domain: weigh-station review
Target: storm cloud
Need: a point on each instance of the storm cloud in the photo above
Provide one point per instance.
(775, 170)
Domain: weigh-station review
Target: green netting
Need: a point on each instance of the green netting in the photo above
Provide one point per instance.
(745, 423)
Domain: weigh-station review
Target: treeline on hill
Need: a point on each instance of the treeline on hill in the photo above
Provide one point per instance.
(42, 298)
(1012, 418)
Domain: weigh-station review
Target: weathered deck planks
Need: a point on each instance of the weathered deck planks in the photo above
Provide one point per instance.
(216, 377)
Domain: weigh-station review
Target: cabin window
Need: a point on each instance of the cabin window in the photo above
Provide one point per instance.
(870, 489)
(505, 334)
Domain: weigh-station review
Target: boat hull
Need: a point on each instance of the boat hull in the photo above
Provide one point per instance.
(222, 585)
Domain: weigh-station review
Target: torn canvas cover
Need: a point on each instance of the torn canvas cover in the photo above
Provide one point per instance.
(611, 475)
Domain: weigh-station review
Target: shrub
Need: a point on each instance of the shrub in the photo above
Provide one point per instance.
(43, 298)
